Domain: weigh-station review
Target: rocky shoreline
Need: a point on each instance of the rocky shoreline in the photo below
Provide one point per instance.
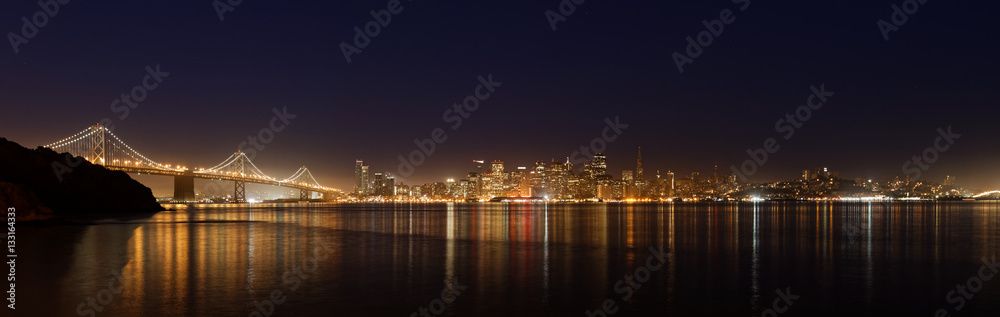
(43, 187)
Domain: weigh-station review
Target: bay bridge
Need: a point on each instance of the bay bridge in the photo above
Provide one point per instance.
(991, 194)
(99, 146)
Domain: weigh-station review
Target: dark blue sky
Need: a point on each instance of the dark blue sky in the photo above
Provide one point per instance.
(608, 59)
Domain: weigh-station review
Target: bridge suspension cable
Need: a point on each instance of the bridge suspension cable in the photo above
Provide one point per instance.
(995, 192)
(303, 177)
(237, 164)
(98, 145)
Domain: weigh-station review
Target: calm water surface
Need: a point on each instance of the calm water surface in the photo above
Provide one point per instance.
(517, 260)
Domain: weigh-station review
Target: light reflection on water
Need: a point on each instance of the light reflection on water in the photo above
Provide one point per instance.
(520, 259)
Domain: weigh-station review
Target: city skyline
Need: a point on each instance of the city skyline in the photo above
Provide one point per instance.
(549, 181)
(497, 157)
(552, 91)
(381, 183)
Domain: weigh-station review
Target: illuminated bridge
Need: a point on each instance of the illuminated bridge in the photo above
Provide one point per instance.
(992, 194)
(99, 146)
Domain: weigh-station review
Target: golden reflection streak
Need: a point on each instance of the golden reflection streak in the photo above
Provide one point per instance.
(672, 260)
(133, 294)
(755, 260)
(450, 244)
(630, 233)
(545, 255)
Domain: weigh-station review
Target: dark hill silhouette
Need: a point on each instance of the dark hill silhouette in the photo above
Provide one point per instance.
(28, 177)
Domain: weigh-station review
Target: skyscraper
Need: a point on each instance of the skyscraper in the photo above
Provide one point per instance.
(640, 177)
(600, 165)
(657, 190)
(538, 179)
(670, 183)
(496, 180)
(627, 177)
(390, 187)
(557, 179)
(362, 185)
(628, 185)
(358, 180)
(715, 176)
(496, 167)
(366, 184)
(640, 187)
(475, 188)
(379, 184)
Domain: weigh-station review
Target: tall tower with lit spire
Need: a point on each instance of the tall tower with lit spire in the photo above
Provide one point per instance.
(638, 168)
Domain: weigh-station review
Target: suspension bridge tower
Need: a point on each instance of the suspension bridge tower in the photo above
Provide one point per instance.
(240, 194)
(97, 144)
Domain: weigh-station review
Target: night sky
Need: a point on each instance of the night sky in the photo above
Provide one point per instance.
(608, 59)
